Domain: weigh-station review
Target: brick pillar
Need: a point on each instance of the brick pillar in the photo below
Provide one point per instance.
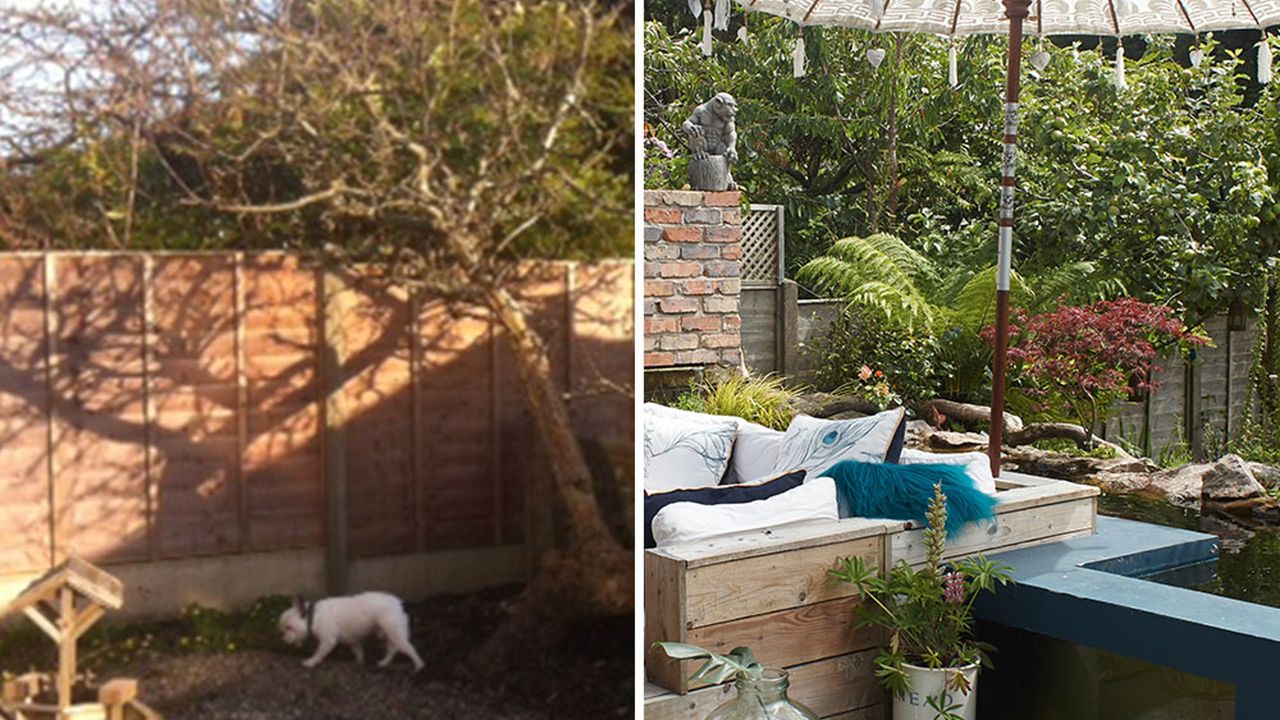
(693, 278)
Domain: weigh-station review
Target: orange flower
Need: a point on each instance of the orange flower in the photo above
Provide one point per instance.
(879, 373)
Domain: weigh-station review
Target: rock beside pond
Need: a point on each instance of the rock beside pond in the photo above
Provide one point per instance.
(1230, 479)
(1035, 461)
(1181, 485)
(1268, 475)
(918, 432)
(951, 441)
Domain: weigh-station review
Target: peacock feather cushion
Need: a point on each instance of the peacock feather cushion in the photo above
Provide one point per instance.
(903, 492)
(814, 444)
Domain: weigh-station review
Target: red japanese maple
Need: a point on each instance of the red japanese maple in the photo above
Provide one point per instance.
(1081, 359)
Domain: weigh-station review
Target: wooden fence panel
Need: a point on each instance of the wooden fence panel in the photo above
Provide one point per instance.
(379, 431)
(174, 407)
(603, 328)
(457, 429)
(282, 456)
(603, 366)
(24, 424)
(194, 405)
(99, 438)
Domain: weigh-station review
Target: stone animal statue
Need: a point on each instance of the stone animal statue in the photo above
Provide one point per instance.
(713, 138)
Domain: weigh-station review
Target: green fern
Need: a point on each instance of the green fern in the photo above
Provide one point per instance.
(878, 273)
(975, 304)
(917, 266)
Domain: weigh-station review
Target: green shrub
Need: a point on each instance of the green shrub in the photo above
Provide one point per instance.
(762, 400)
(910, 361)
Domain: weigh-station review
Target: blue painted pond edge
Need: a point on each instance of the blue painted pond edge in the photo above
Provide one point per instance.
(1089, 591)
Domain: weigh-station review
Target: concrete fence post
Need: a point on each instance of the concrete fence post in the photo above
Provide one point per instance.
(788, 327)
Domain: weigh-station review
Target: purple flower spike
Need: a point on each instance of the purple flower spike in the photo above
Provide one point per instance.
(953, 587)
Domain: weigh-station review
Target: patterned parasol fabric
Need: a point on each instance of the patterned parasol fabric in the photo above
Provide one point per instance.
(1048, 17)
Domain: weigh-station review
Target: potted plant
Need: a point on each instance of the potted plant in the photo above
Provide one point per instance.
(931, 661)
(761, 691)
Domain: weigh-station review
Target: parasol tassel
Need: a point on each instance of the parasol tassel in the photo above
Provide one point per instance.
(797, 59)
(722, 15)
(1120, 81)
(706, 34)
(695, 7)
(1264, 61)
(953, 75)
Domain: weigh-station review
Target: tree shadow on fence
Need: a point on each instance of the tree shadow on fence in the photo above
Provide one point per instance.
(172, 406)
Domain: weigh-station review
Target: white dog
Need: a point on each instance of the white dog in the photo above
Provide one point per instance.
(349, 620)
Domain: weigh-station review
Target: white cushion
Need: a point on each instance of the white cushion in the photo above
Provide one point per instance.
(976, 465)
(755, 452)
(682, 451)
(815, 445)
(686, 522)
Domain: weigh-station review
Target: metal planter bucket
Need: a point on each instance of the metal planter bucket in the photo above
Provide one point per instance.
(929, 683)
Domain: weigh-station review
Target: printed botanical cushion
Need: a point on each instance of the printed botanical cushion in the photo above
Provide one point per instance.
(682, 451)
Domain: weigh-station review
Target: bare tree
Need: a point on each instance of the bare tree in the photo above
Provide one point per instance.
(445, 140)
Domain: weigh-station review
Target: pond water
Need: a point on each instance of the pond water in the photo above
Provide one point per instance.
(1248, 567)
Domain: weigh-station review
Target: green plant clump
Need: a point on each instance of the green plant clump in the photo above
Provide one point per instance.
(928, 612)
(762, 400)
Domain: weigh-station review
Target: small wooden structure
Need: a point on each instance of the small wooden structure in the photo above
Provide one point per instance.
(64, 603)
(770, 591)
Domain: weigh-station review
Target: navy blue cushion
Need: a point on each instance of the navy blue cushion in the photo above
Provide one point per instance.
(903, 492)
(895, 445)
(719, 495)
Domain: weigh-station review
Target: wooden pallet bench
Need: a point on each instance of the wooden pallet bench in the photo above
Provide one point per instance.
(770, 591)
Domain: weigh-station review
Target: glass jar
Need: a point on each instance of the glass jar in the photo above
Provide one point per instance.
(763, 699)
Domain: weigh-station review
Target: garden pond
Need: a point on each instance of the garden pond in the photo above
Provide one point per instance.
(1248, 567)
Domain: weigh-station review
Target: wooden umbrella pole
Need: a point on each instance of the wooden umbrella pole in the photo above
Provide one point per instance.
(1016, 11)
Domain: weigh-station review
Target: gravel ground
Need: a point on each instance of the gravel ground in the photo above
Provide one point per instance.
(264, 680)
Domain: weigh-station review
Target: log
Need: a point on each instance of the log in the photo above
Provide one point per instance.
(1061, 430)
(973, 442)
(933, 410)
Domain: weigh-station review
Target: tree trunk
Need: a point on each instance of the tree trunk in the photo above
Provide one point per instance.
(593, 575)
(570, 473)
(1266, 388)
(891, 154)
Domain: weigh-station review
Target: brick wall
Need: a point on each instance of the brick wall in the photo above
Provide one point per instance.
(692, 269)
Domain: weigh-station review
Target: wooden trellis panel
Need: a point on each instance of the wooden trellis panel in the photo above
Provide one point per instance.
(763, 257)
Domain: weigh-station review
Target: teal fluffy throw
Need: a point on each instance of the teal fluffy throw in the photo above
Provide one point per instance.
(903, 492)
